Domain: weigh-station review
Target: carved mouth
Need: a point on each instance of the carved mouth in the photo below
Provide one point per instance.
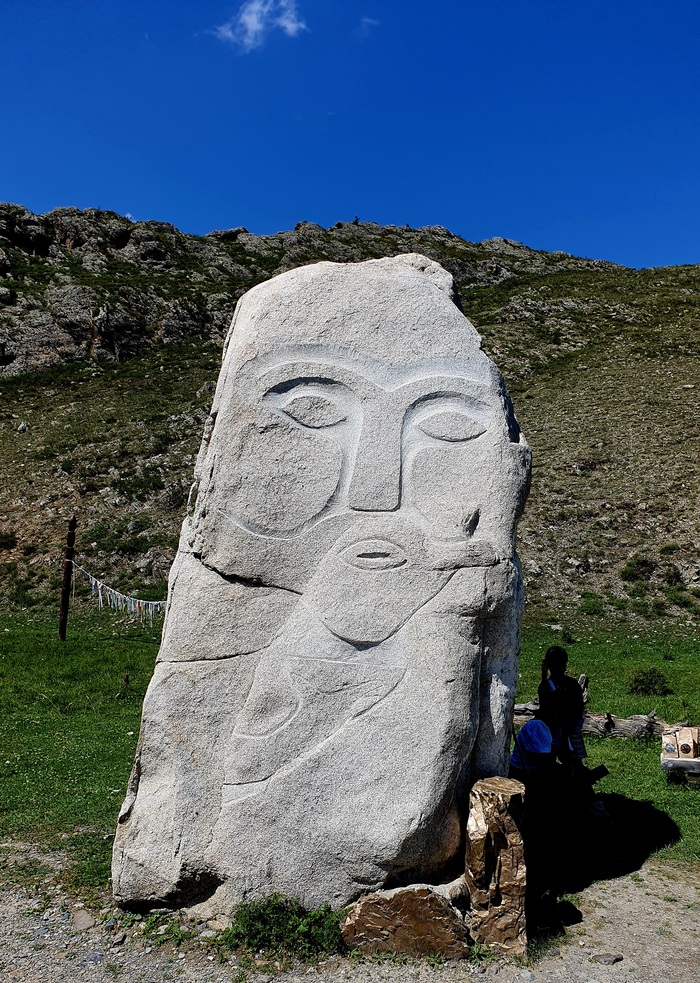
(374, 554)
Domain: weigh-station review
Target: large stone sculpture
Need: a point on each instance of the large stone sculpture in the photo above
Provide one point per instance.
(340, 651)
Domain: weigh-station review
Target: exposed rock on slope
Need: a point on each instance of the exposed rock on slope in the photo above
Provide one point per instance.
(94, 285)
(602, 363)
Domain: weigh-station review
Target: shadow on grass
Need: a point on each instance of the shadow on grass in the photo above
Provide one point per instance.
(615, 845)
(594, 848)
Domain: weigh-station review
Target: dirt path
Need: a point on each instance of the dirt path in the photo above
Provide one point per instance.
(645, 926)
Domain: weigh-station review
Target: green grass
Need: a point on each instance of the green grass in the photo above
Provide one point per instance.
(611, 661)
(283, 926)
(635, 773)
(69, 726)
(612, 657)
(68, 732)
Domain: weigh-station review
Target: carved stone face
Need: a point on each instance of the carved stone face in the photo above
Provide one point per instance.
(361, 476)
(340, 650)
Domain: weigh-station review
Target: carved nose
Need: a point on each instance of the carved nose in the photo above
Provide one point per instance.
(376, 475)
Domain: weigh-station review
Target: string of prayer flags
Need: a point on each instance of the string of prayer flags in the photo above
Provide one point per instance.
(109, 597)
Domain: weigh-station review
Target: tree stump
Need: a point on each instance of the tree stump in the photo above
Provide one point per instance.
(495, 864)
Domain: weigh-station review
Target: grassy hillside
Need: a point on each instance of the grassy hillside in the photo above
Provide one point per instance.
(601, 361)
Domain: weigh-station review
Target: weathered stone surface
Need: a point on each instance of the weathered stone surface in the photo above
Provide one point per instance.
(414, 920)
(495, 864)
(340, 651)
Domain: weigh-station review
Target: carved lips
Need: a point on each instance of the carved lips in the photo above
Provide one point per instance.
(374, 554)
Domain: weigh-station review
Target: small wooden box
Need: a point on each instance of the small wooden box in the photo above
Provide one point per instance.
(669, 744)
(687, 739)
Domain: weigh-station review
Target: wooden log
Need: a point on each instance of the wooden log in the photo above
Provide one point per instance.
(600, 724)
(638, 725)
(604, 724)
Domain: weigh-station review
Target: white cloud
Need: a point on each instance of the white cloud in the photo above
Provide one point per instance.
(366, 26)
(256, 18)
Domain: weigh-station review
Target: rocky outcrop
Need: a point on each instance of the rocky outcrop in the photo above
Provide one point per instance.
(601, 359)
(89, 285)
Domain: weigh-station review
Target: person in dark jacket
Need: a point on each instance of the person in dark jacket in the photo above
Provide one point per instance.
(561, 707)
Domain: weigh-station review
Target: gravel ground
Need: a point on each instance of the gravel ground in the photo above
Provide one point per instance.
(641, 928)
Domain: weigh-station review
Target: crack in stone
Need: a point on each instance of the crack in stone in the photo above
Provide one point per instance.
(213, 658)
(232, 578)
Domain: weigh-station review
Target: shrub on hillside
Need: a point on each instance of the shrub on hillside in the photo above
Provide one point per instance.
(638, 568)
(591, 604)
(649, 682)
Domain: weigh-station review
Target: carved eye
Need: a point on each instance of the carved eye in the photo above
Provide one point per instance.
(452, 425)
(313, 411)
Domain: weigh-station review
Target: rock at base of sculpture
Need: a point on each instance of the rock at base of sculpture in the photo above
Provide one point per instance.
(495, 865)
(414, 920)
(339, 657)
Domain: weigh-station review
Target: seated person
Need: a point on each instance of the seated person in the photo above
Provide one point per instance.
(545, 819)
(532, 754)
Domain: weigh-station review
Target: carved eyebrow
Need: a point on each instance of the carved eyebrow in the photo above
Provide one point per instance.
(296, 382)
(287, 375)
(471, 402)
(471, 391)
(306, 371)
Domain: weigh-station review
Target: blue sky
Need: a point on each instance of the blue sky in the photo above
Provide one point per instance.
(562, 124)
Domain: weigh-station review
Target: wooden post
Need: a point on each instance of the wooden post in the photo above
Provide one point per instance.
(67, 576)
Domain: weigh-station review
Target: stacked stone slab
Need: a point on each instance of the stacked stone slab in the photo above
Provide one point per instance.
(339, 657)
(413, 920)
(484, 905)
